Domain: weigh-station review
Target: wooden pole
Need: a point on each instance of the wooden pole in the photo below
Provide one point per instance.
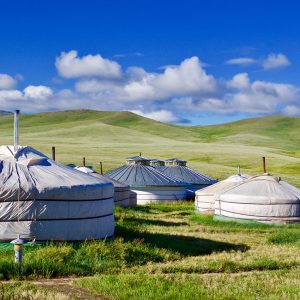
(140, 153)
(53, 153)
(101, 168)
(264, 165)
(83, 161)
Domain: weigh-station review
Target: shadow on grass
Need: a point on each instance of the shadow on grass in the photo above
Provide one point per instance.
(184, 245)
(141, 221)
(164, 208)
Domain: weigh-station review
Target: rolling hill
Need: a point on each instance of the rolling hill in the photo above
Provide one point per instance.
(112, 136)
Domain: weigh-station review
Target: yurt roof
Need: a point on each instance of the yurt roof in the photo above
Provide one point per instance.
(138, 160)
(223, 185)
(140, 175)
(264, 188)
(186, 174)
(156, 162)
(89, 170)
(175, 162)
(39, 177)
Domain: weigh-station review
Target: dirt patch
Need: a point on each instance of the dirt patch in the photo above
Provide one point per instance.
(64, 286)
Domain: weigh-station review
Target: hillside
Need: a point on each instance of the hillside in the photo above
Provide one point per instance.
(112, 136)
(4, 113)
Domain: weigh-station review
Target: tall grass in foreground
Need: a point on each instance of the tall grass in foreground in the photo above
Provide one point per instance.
(264, 285)
(88, 258)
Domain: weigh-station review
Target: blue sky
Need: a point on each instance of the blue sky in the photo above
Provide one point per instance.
(189, 62)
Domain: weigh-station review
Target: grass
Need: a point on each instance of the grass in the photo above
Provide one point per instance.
(285, 237)
(112, 136)
(285, 285)
(167, 251)
(80, 259)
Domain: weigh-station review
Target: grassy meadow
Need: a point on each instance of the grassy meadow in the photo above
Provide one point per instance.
(167, 252)
(112, 136)
(162, 251)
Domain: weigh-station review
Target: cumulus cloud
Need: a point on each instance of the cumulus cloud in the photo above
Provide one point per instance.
(160, 95)
(138, 85)
(31, 99)
(292, 110)
(239, 81)
(240, 95)
(162, 115)
(38, 92)
(242, 61)
(274, 61)
(7, 82)
(69, 65)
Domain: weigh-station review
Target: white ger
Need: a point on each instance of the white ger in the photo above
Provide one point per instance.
(264, 198)
(45, 200)
(147, 184)
(122, 191)
(205, 198)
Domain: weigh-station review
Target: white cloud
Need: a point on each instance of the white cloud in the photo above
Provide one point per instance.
(163, 115)
(239, 81)
(242, 61)
(38, 92)
(156, 95)
(274, 61)
(188, 78)
(240, 95)
(292, 110)
(69, 65)
(31, 99)
(7, 82)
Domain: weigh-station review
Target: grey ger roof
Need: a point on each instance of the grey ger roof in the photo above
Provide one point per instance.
(89, 170)
(185, 174)
(141, 175)
(156, 162)
(137, 158)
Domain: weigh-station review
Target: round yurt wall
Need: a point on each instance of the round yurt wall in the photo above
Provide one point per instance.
(205, 198)
(263, 198)
(43, 199)
(122, 191)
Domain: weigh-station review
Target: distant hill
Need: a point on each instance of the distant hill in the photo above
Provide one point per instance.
(111, 136)
(4, 113)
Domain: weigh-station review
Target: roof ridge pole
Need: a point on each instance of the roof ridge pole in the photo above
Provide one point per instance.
(16, 130)
(239, 170)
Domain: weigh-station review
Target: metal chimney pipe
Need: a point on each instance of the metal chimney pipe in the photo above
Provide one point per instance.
(101, 168)
(16, 130)
(239, 170)
(264, 165)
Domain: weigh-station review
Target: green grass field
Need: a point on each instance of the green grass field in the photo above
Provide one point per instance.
(214, 150)
(167, 252)
(162, 251)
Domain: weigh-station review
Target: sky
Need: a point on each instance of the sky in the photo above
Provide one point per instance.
(183, 62)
